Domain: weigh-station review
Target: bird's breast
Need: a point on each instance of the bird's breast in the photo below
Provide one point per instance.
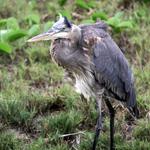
(63, 54)
(78, 64)
(84, 84)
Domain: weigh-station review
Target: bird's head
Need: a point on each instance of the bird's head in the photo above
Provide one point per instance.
(60, 29)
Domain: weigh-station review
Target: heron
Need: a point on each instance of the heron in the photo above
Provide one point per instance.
(97, 65)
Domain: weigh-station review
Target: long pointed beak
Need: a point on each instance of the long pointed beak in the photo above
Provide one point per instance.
(43, 36)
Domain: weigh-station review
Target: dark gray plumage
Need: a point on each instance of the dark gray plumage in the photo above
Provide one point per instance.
(95, 63)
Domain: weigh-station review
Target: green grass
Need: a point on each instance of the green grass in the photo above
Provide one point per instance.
(36, 101)
(9, 141)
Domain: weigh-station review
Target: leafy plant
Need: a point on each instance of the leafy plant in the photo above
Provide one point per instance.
(47, 25)
(13, 35)
(34, 30)
(62, 2)
(3, 22)
(117, 23)
(5, 47)
(10, 32)
(33, 19)
(11, 23)
(101, 15)
(82, 4)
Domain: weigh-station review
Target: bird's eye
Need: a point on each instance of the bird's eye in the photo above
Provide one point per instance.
(61, 29)
(57, 28)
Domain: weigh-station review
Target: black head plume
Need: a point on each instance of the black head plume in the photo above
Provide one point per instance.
(68, 24)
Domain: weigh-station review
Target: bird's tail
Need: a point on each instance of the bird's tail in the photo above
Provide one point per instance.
(131, 103)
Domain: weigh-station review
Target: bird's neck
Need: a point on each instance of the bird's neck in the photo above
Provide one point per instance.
(75, 34)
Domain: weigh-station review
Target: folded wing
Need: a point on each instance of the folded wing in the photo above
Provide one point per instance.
(111, 67)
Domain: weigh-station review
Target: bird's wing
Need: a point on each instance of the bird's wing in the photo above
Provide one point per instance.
(111, 67)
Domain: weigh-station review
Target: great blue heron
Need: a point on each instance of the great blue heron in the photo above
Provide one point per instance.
(96, 63)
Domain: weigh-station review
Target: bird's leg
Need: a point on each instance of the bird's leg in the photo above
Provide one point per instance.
(99, 122)
(112, 116)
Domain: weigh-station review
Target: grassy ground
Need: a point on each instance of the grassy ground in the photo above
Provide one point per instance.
(38, 107)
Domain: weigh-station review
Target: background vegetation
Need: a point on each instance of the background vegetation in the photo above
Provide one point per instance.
(37, 107)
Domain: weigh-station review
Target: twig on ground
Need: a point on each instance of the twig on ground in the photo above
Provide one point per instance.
(71, 134)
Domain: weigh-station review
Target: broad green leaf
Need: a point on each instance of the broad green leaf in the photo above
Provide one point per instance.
(32, 4)
(12, 23)
(91, 4)
(81, 4)
(62, 2)
(141, 12)
(117, 22)
(125, 24)
(48, 25)
(33, 19)
(15, 34)
(12, 35)
(3, 34)
(118, 15)
(113, 21)
(9, 23)
(5, 47)
(3, 22)
(101, 15)
(34, 30)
